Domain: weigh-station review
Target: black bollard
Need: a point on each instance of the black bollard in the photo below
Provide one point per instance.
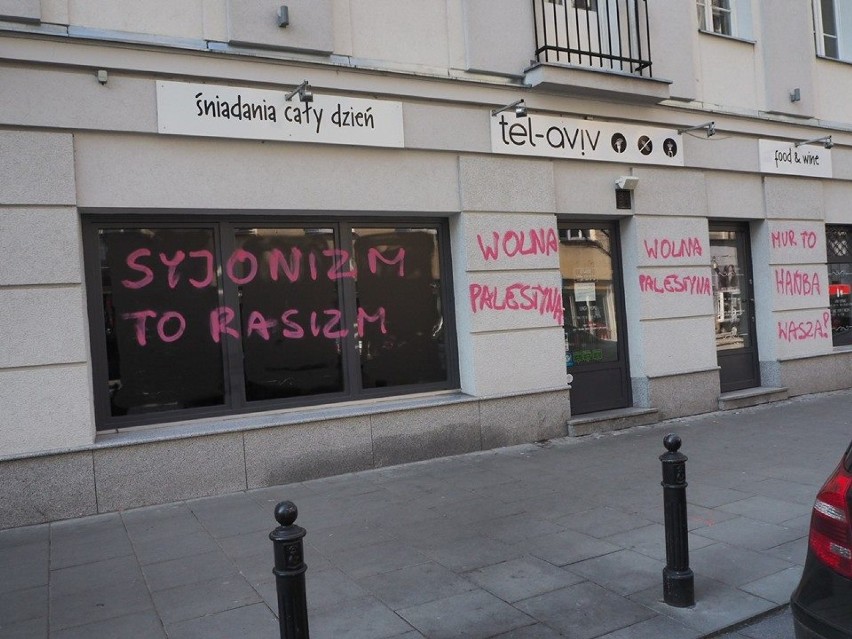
(289, 572)
(678, 580)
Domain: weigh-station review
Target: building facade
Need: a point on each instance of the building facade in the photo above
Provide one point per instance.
(248, 243)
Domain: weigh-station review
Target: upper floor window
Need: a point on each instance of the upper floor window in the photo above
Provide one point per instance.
(725, 17)
(833, 25)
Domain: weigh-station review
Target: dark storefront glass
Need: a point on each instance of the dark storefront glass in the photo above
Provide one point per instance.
(839, 247)
(291, 311)
(402, 338)
(158, 286)
(215, 318)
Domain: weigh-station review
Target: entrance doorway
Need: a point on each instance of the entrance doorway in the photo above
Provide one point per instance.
(593, 300)
(733, 301)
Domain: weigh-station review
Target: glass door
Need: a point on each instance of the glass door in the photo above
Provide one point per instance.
(593, 300)
(733, 301)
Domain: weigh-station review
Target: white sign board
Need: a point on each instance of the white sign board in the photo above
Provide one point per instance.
(810, 160)
(233, 112)
(556, 137)
(584, 292)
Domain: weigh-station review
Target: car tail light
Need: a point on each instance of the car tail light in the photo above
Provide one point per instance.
(831, 523)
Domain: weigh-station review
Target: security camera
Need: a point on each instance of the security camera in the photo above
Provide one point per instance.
(627, 183)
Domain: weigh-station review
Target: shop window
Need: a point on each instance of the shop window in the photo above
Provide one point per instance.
(839, 249)
(833, 28)
(227, 316)
(725, 17)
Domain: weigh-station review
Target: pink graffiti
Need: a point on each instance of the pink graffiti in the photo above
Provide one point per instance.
(141, 329)
(243, 266)
(687, 284)
(796, 282)
(293, 324)
(512, 243)
(798, 331)
(545, 300)
(219, 320)
(133, 264)
(788, 239)
(667, 249)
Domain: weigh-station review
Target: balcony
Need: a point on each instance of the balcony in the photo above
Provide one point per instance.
(609, 38)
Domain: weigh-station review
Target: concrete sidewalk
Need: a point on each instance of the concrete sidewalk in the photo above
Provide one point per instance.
(561, 539)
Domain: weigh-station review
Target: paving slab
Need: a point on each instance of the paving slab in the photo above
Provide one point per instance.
(522, 578)
(473, 615)
(247, 621)
(356, 619)
(201, 599)
(145, 624)
(585, 610)
(415, 585)
(623, 571)
(717, 605)
(732, 565)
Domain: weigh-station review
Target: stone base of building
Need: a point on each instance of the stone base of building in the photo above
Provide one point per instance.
(808, 375)
(146, 467)
(678, 395)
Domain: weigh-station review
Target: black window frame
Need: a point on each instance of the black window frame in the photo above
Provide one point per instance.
(223, 225)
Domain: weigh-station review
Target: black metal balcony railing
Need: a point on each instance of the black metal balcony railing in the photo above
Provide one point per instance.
(607, 34)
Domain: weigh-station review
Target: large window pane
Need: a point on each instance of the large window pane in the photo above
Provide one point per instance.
(221, 316)
(588, 295)
(159, 286)
(292, 320)
(839, 244)
(731, 297)
(400, 319)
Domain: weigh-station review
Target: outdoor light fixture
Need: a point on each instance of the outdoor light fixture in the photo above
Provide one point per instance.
(304, 91)
(795, 95)
(826, 141)
(283, 16)
(103, 76)
(627, 183)
(519, 106)
(710, 126)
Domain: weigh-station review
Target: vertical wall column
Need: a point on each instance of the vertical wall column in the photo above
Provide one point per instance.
(507, 279)
(669, 296)
(791, 288)
(45, 388)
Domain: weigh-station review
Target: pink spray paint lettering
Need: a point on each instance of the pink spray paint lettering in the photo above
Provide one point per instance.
(544, 300)
(512, 243)
(686, 284)
(788, 238)
(796, 282)
(668, 249)
(295, 324)
(141, 325)
(798, 331)
(243, 266)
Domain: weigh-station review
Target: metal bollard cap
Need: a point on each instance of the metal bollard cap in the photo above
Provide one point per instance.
(672, 442)
(286, 513)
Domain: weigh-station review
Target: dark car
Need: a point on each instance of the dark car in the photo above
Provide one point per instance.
(822, 603)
